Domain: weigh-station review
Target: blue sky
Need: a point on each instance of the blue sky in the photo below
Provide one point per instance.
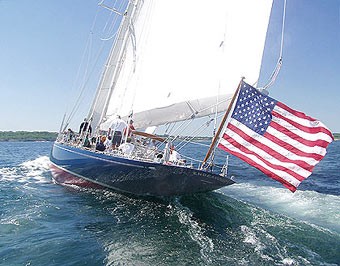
(42, 43)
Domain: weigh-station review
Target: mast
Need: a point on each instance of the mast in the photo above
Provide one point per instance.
(217, 135)
(112, 67)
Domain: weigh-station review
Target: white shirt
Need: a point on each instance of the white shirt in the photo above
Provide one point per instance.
(118, 125)
(107, 142)
(174, 156)
(127, 148)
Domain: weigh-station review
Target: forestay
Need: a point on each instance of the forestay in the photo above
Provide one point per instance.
(182, 57)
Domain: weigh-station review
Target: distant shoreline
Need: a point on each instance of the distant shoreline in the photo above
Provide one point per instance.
(336, 136)
(27, 136)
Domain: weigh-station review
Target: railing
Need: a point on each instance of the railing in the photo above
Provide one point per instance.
(141, 152)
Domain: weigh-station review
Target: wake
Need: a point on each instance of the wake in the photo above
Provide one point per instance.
(27, 172)
(310, 206)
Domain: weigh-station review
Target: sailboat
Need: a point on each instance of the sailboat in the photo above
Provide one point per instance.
(172, 63)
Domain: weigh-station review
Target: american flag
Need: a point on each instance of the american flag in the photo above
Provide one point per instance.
(282, 143)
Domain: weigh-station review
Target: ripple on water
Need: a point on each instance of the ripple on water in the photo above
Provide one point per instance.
(245, 224)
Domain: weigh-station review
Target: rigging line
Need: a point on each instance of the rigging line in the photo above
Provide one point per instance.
(94, 104)
(207, 123)
(95, 64)
(209, 107)
(113, 24)
(118, 50)
(274, 74)
(133, 38)
(81, 97)
(192, 159)
(88, 60)
(199, 161)
(130, 39)
(195, 133)
(107, 21)
(111, 9)
(200, 144)
(283, 27)
(185, 129)
(189, 141)
(168, 130)
(172, 127)
(91, 72)
(216, 108)
(276, 71)
(82, 59)
(143, 36)
(109, 38)
(198, 113)
(182, 124)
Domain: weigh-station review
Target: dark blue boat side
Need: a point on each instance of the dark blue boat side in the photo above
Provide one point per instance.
(86, 168)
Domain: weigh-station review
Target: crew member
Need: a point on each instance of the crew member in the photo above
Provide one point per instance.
(117, 126)
(175, 157)
(129, 129)
(85, 127)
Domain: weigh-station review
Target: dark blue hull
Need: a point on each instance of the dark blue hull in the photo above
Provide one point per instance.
(86, 168)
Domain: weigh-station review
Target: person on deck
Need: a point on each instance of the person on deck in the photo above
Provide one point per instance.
(108, 142)
(87, 143)
(117, 126)
(129, 129)
(85, 127)
(175, 157)
(70, 135)
(100, 144)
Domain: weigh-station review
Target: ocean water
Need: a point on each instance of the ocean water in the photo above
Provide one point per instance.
(254, 222)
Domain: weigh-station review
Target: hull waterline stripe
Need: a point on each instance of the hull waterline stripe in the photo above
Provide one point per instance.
(88, 179)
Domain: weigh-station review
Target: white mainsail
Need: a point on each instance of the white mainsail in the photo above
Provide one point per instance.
(182, 55)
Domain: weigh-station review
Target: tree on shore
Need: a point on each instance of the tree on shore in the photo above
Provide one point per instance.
(27, 136)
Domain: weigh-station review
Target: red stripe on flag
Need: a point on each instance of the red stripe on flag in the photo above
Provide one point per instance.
(294, 112)
(269, 150)
(291, 148)
(312, 130)
(261, 168)
(274, 166)
(292, 135)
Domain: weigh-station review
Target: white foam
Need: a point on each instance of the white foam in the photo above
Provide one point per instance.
(260, 240)
(309, 206)
(289, 261)
(28, 171)
(195, 230)
(38, 165)
(250, 237)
